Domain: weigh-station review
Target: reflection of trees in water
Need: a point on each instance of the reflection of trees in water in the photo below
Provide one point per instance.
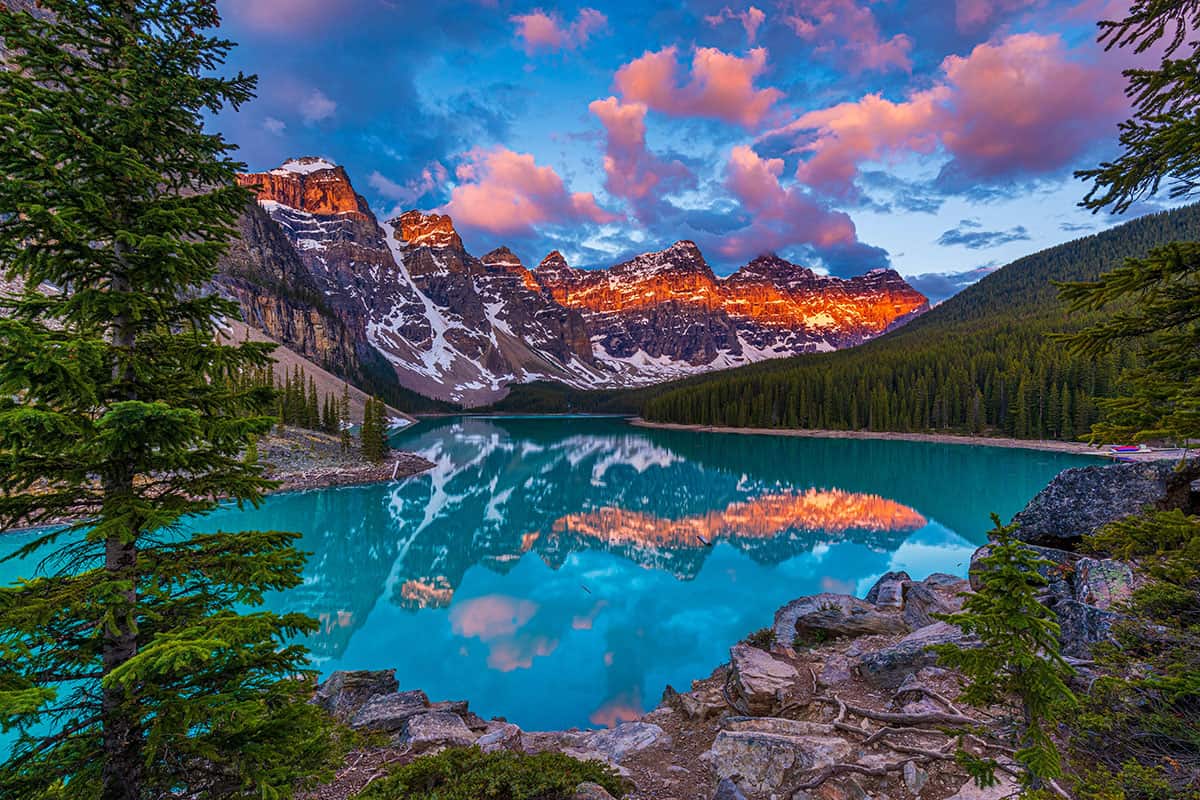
(496, 494)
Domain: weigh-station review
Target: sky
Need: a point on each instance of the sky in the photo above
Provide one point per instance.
(936, 137)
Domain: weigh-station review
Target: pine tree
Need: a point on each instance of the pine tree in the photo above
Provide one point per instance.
(344, 419)
(381, 429)
(140, 672)
(368, 439)
(1017, 663)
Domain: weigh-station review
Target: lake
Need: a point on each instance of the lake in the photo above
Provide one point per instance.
(562, 571)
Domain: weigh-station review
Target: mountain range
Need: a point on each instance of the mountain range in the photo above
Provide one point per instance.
(401, 308)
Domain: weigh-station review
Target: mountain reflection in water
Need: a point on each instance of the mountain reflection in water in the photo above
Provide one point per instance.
(561, 572)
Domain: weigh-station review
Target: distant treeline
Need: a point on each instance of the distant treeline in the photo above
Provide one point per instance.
(982, 362)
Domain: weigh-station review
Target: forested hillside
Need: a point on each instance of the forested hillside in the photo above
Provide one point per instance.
(981, 362)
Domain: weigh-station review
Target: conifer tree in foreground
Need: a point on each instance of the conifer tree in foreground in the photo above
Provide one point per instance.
(1017, 664)
(132, 669)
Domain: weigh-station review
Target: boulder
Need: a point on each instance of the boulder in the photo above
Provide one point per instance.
(759, 679)
(888, 591)
(500, 736)
(1059, 571)
(923, 600)
(763, 753)
(1080, 501)
(345, 692)
(834, 623)
(1081, 626)
(1103, 582)
(785, 618)
(389, 712)
(888, 667)
(616, 744)
(436, 729)
(591, 791)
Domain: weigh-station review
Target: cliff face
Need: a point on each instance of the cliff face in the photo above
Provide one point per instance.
(405, 298)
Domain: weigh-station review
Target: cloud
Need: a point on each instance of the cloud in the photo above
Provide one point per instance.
(541, 31)
(284, 16)
(752, 19)
(969, 235)
(506, 192)
(847, 32)
(1018, 108)
(719, 86)
(789, 217)
(971, 15)
(409, 192)
(938, 286)
(1076, 227)
(317, 106)
(631, 170)
(275, 127)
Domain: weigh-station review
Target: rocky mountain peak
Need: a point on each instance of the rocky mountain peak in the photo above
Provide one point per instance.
(308, 184)
(418, 229)
(770, 268)
(554, 260)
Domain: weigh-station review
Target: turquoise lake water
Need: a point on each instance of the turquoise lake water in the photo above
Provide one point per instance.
(562, 571)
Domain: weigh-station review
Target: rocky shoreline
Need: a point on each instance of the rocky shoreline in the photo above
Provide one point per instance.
(840, 699)
(302, 460)
(1076, 448)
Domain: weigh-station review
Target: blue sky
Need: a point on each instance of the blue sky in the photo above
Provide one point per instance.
(934, 137)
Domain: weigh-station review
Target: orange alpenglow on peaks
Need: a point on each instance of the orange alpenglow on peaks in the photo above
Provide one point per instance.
(418, 229)
(308, 184)
(769, 289)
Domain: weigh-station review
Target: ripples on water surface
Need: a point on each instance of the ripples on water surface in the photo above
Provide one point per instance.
(561, 572)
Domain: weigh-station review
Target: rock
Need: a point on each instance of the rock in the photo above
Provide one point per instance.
(728, 790)
(888, 667)
(922, 601)
(888, 591)
(758, 679)
(616, 744)
(1081, 626)
(834, 623)
(1006, 788)
(1080, 501)
(436, 729)
(914, 778)
(591, 791)
(500, 736)
(346, 691)
(389, 712)
(1103, 582)
(765, 752)
(835, 671)
(785, 618)
(1058, 572)
(702, 704)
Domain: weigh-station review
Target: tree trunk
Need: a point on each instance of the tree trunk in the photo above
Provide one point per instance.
(119, 708)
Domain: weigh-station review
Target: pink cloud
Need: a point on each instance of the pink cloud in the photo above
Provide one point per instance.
(720, 85)
(631, 170)
(752, 19)
(847, 31)
(283, 16)
(508, 193)
(541, 31)
(1022, 106)
(971, 15)
(784, 217)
